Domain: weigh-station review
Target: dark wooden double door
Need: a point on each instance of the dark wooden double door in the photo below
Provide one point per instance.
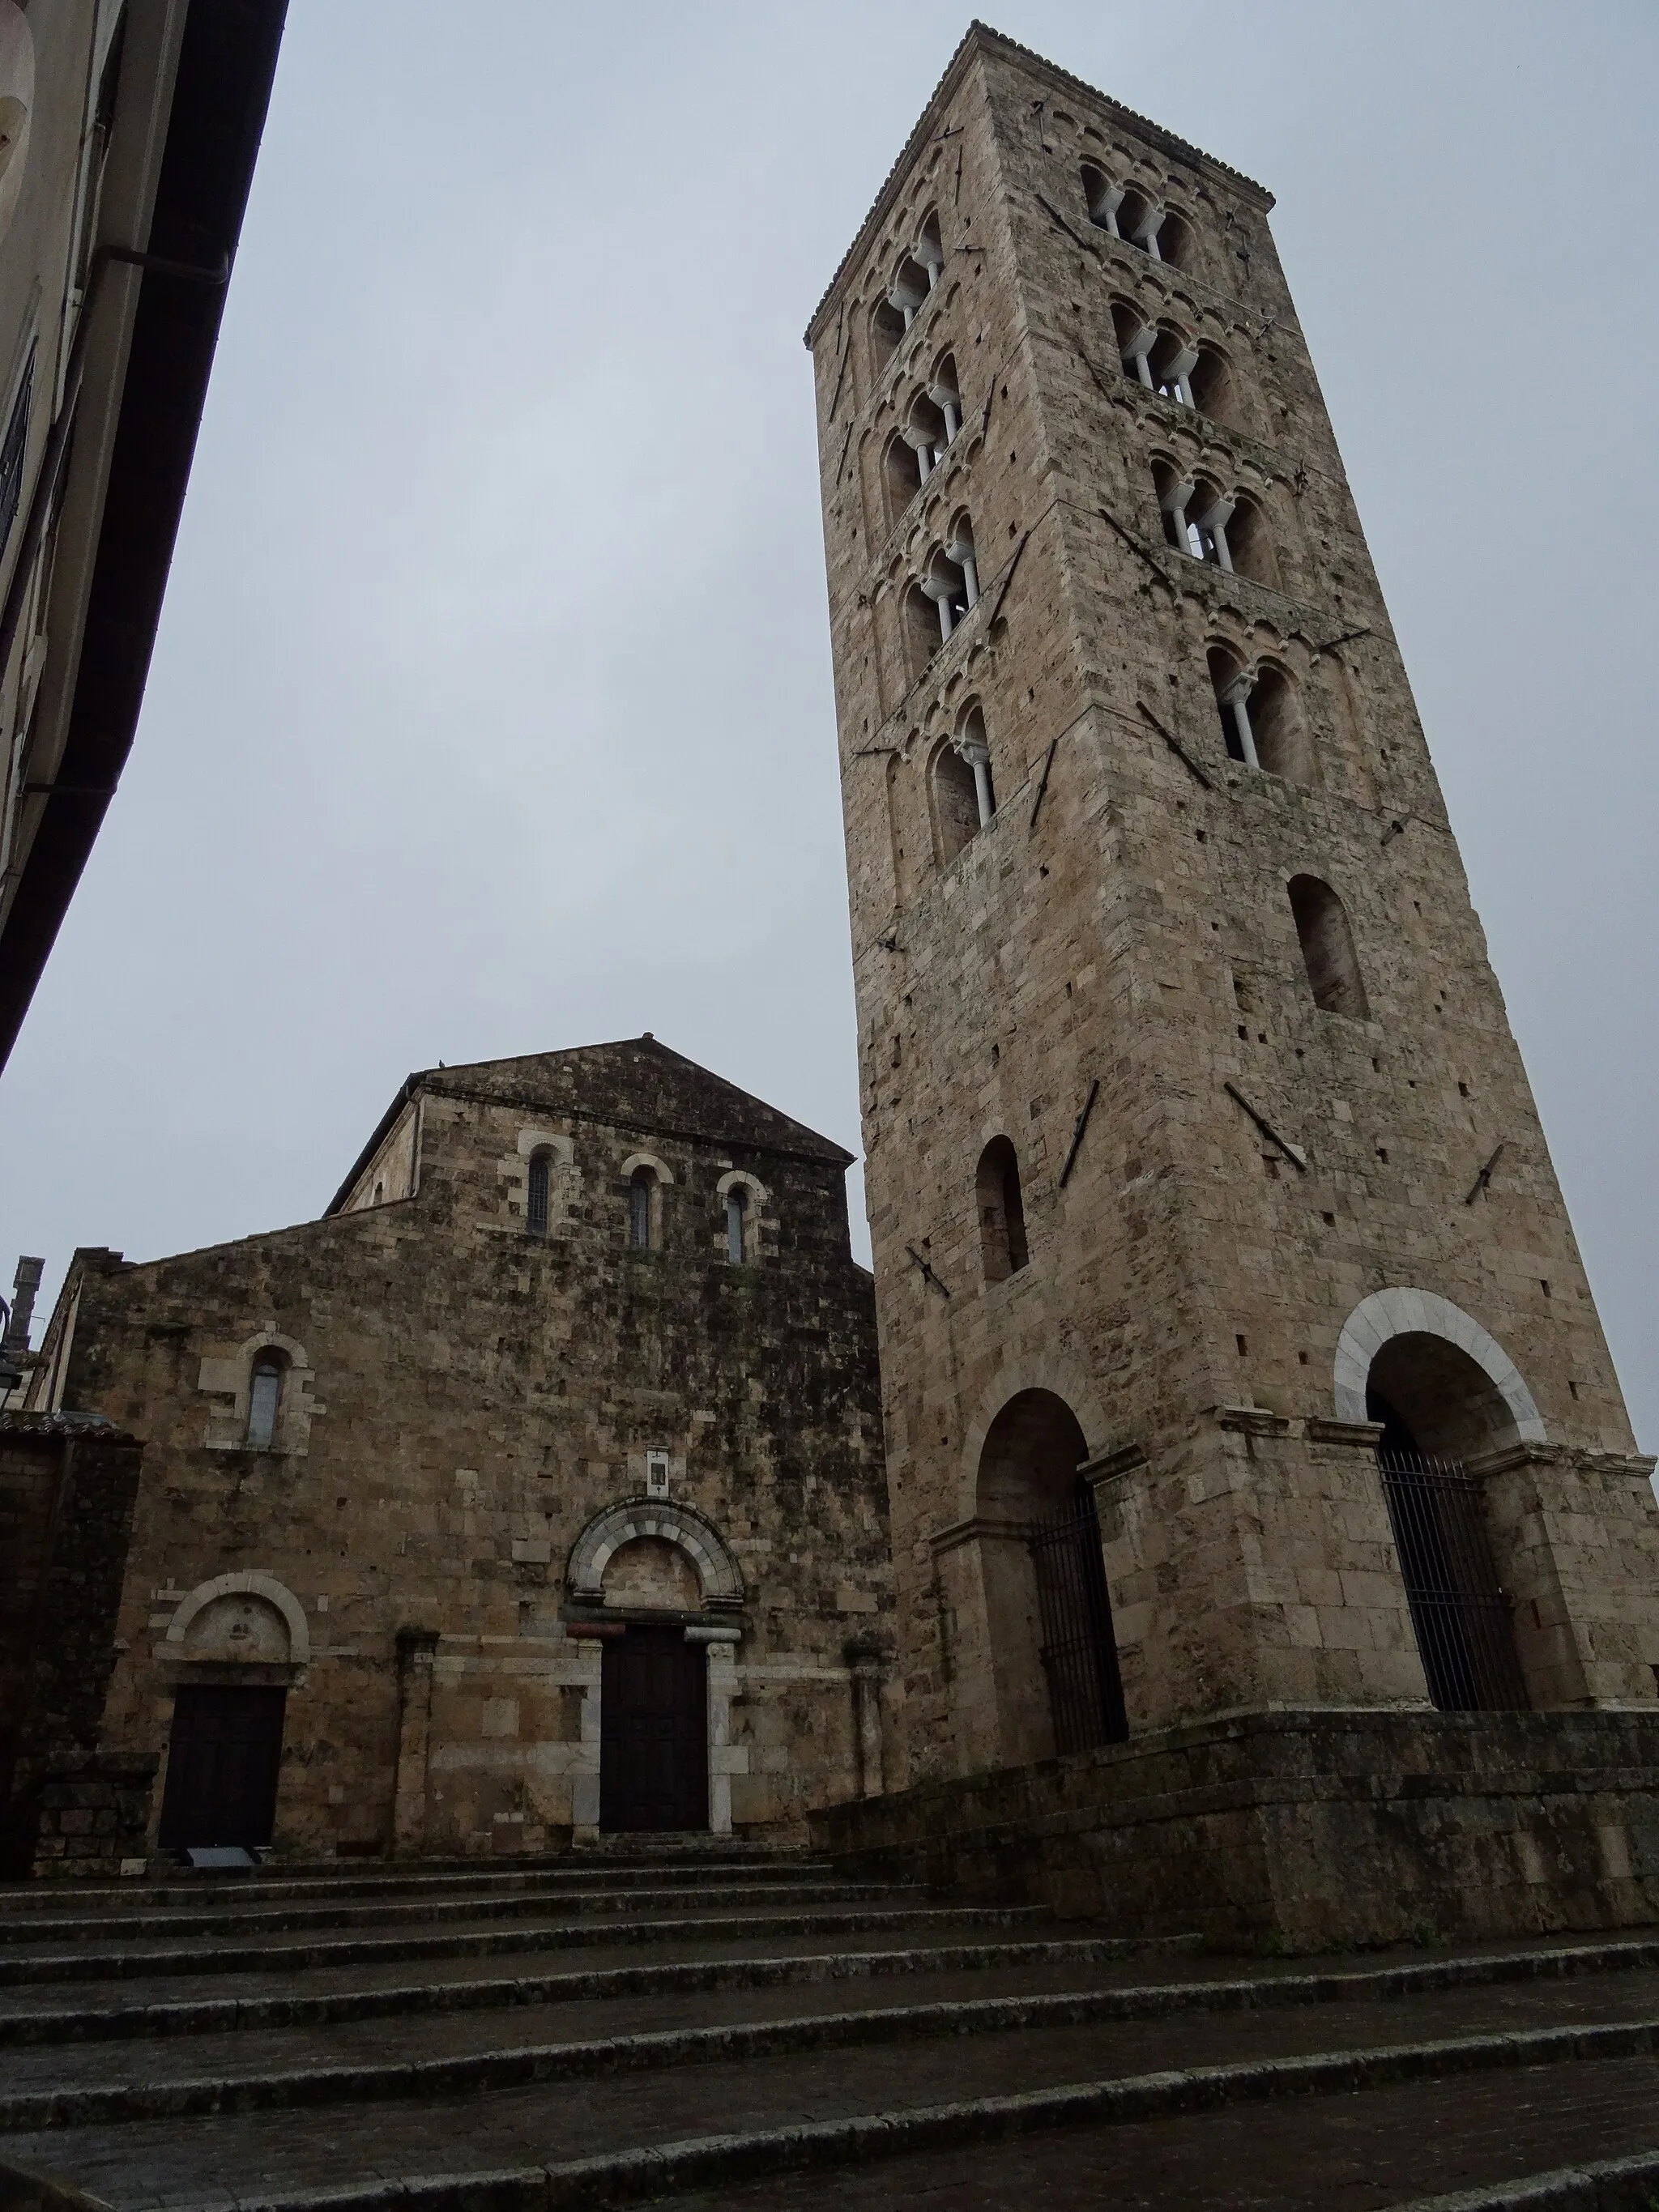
(222, 1761)
(653, 1731)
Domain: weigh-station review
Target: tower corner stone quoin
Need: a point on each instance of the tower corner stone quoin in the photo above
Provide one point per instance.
(1201, 1157)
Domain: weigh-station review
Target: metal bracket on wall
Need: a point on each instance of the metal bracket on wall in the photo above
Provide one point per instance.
(1051, 210)
(1175, 747)
(1347, 637)
(927, 1274)
(1483, 1181)
(1043, 781)
(1008, 578)
(1293, 1153)
(840, 370)
(1077, 1133)
(1136, 548)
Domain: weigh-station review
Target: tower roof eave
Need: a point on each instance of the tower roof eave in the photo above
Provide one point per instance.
(982, 38)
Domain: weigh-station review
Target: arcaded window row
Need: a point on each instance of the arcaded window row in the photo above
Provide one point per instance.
(738, 1196)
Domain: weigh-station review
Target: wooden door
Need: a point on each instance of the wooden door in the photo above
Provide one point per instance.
(653, 1731)
(226, 1747)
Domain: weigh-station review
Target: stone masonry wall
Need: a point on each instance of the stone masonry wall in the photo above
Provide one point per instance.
(474, 1393)
(1121, 933)
(68, 1488)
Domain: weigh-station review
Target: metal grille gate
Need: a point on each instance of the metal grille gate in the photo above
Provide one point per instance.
(1459, 1608)
(1079, 1650)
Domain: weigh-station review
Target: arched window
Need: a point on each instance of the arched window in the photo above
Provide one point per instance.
(952, 578)
(923, 431)
(964, 797)
(1251, 546)
(1002, 1241)
(1175, 497)
(1327, 949)
(945, 392)
(920, 624)
(1170, 365)
(1134, 337)
(264, 1399)
(536, 1196)
(1139, 221)
(1211, 386)
(737, 1224)
(955, 804)
(917, 273)
(1209, 512)
(1174, 240)
(901, 471)
(641, 1197)
(1232, 698)
(1102, 197)
(1282, 743)
(887, 327)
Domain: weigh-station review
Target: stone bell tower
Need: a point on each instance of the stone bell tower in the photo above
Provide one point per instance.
(1200, 1155)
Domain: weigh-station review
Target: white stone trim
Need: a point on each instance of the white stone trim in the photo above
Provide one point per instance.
(533, 1139)
(1401, 1312)
(229, 1381)
(246, 1584)
(631, 1166)
(719, 1575)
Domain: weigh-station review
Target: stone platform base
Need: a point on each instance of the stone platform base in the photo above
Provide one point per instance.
(1305, 1830)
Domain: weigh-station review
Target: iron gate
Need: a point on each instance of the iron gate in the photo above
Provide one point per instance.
(1078, 1651)
(1458, 1606)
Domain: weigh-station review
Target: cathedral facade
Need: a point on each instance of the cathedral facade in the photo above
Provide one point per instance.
(535, 1490)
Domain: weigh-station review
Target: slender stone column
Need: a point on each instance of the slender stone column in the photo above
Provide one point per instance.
(865, 1663)
(725, 1758)
(416, 1648)
(977, 754)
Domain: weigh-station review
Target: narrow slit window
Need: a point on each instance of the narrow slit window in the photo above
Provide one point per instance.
(1003, 1246)
(641, 1190)
(264, 1399)
(737, 1224)
(535, 1202)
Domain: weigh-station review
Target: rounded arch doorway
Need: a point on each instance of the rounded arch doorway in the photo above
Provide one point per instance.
(1443, 1392)
(1048, 1615)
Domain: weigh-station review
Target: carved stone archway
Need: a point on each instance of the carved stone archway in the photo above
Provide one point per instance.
(1401, 1312)
(670, 1520)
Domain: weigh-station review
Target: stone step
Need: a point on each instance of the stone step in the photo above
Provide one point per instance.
(79, 2043)
(1187, 1983)
(585, 1869)
(225, 1917)
(453, 2054)
(726, 2122)
(140, 1959)
(1387, 2149)
(203, 2003)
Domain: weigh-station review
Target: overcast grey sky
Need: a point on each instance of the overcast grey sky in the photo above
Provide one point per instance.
(491, 710)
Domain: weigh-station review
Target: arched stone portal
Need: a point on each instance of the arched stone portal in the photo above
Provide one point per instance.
(1450, 1382)
(666, 1682)
(1445, 1393)
(1044, 1658)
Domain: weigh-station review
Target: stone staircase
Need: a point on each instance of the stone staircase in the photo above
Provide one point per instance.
(717, 2025)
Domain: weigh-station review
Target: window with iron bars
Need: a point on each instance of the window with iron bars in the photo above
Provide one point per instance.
(1459, 1610)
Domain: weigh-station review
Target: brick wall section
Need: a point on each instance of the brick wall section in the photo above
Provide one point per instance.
(473, 1395)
